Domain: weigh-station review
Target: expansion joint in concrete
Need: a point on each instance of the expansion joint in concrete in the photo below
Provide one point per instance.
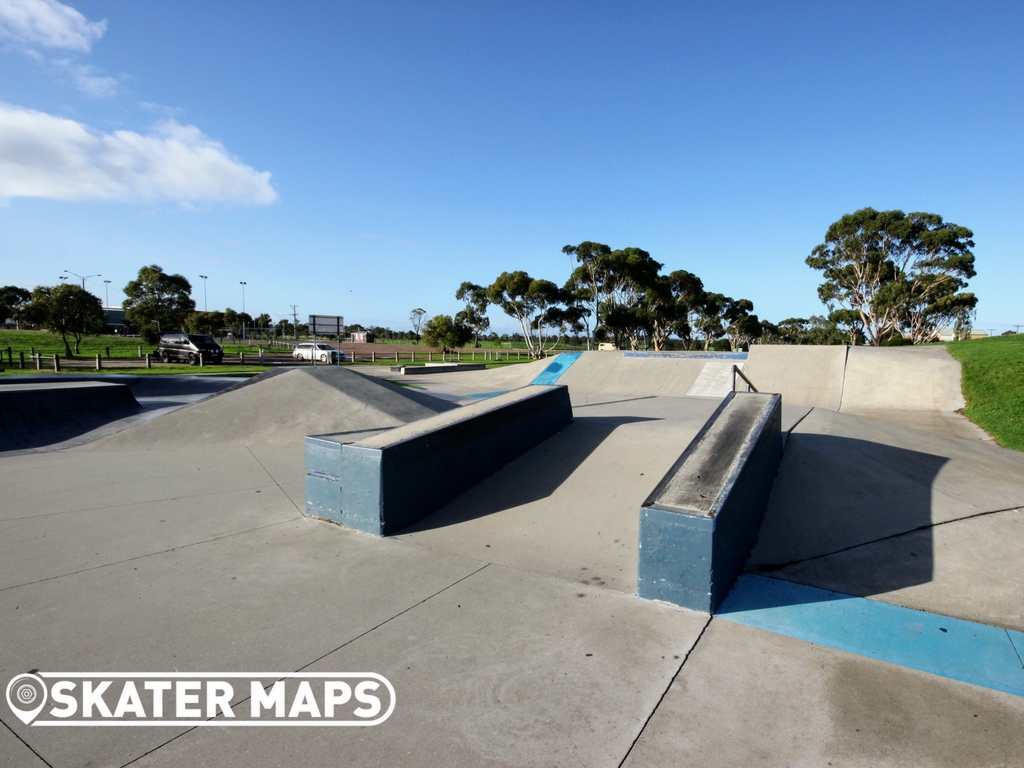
(1014, 646)
(297, 507)
(27, 745)
(148, 554)
(664, 693)
(771, 567)
(321, 657)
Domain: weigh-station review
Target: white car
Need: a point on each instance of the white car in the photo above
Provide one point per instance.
(321, 352)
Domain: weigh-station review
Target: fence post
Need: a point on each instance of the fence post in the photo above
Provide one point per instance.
(10, 356)
(99, 362)
(430, 356)
(39, 362)
(396, 357)
(21, 360)
(202, 357)
(241, 356)
(32, 351)
(56, 363)
(261, 356)
(414, 356)
(373, 356)
(108, 353)
(519, 354)
(149, 360)
(140, 351)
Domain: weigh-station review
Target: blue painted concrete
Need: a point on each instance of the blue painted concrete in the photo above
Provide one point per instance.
(387, 482)
(940, 645)
(690, 554)
(483, 395)
(557, 367)
(686, 355)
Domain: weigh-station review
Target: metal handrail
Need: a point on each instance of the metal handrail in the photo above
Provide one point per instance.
(737, 372)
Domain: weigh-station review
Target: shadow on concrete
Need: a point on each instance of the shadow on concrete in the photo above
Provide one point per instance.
(534, 476)
(756, 593)
(39, 415)
(837, 495)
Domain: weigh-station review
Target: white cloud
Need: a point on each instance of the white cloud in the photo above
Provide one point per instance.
(87, 80)
(53, 157)
(49, 24)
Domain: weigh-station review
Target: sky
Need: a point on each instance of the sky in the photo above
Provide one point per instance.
(365, 158)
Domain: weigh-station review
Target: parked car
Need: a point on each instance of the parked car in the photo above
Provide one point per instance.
(186, 348)
(318, 351)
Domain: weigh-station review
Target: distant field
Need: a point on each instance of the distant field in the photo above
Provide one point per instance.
(993, 385)
(127, 350)
(49, 343)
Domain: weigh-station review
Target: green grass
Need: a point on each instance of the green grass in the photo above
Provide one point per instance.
(49, 343)
(993, 385)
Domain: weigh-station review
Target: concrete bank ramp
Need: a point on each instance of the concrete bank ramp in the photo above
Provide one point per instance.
(492, 380)
(601, 376)
(901, 378)
(34, 415)
(282, 407)
(804, 375)
(855, 379)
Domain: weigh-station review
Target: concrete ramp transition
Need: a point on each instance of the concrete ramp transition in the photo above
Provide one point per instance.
(40, 414)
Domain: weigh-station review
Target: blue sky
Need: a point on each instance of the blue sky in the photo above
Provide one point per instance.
(365, 158)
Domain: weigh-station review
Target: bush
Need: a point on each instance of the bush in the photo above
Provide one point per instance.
(897, 341)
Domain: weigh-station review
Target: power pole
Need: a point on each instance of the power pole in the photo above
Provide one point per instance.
(295, 320)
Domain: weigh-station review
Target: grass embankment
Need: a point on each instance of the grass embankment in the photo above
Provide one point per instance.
(993, 385)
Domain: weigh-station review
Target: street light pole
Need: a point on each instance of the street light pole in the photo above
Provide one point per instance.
(242, 283)
(83, 278)
(106, 288)
(206, 307)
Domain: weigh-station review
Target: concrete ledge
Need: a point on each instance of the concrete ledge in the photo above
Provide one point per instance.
(383, 482)
(419, 370)
(700, 523)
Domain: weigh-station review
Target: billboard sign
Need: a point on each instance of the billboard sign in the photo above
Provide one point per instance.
(327, 325)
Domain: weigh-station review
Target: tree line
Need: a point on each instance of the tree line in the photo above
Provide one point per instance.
(888, 277)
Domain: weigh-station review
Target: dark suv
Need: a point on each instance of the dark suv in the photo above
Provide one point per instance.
(186, 347)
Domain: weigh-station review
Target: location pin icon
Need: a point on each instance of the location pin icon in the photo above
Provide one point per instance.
(23, 693)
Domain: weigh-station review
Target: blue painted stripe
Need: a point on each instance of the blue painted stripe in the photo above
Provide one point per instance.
(487, 394)
(684, 355)
(941, 645)
(557, 367)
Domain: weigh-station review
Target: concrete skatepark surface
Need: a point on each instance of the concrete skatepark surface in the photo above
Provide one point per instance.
(507, 621)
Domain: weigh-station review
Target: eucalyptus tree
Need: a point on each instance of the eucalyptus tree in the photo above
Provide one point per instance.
(743, 325)
(628, 275)
(445, 332)
(587, 280)
(475, 314)
(896, 271)
(536, 304)
(13, 301)
(67, 310)
(416, 318)
(688, 301)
